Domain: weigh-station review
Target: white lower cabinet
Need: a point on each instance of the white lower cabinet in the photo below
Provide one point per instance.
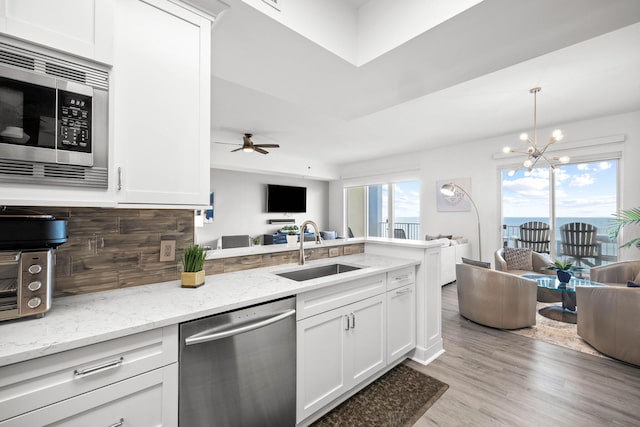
(401, 321)
(143, 400)
(133, 378)
(338, 349)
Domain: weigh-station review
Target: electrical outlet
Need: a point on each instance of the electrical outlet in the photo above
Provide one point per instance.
(334, 252)
(167, 250)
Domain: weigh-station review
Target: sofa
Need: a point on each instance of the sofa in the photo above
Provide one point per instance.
(608, 320)
(616, 274)
(495, 298)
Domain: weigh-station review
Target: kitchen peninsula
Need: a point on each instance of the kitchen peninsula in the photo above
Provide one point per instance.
(141, 323)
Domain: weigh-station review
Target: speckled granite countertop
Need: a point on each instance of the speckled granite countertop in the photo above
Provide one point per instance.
(76, 321)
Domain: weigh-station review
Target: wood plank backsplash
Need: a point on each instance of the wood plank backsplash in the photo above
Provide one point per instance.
(117, 248)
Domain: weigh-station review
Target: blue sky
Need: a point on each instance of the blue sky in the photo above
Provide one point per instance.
(582, 190)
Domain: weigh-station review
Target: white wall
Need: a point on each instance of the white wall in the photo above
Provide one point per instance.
(474, 159)
(240, 204)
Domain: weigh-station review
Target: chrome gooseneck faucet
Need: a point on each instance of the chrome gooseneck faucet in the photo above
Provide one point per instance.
(317, 234)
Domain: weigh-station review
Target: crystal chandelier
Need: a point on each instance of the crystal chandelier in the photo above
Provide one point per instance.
(534, 151)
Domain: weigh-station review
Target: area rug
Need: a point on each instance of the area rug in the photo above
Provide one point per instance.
(555, 332)
(398, 398)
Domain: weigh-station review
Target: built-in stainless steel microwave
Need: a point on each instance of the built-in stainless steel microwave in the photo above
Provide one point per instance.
(53, 119)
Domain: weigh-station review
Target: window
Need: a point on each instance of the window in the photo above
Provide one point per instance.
(384, 210)
(582, 193)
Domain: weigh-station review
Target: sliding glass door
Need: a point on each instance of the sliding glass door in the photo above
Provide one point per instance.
(384, 210)
(576, 201)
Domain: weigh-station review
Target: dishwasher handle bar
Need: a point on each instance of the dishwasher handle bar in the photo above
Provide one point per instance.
(205, 336)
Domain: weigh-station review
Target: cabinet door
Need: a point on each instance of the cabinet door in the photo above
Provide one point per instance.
(320, 360)
(367, 338)
(401, 322)
(83, 28)
(145, 400)
(161, 102)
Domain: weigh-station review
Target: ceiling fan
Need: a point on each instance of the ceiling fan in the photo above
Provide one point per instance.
(248, 145)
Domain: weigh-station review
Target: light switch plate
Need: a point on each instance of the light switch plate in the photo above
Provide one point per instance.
(334, 252)
(167, 250)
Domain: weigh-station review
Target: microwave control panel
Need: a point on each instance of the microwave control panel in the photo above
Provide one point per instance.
(74, 121)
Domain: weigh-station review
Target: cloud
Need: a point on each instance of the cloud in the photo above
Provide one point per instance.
(583, 167)
(603, 166)
(581, 180)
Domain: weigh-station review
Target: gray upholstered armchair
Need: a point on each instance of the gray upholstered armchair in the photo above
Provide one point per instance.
(539, 262)
(616, 274)
(494, 298)
(608, 319)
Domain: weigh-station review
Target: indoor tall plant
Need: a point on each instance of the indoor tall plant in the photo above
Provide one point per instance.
(192, 275)
(623, 218)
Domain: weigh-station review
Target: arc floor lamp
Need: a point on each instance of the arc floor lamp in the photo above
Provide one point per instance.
(452, 189)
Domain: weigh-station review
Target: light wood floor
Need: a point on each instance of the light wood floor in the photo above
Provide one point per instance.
(498, 378)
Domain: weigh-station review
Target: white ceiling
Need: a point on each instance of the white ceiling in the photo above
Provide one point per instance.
(465, 79)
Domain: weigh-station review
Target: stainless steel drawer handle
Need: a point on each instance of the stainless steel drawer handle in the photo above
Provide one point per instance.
(118, 424)
(206, 336)
(348, 327)
(403, 291)
(99, 368)
(403, 277)
(353, 321)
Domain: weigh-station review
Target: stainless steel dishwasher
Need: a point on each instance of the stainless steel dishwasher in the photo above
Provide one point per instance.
(239, 368)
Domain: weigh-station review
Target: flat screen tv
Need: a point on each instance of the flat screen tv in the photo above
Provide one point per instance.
(284, 198)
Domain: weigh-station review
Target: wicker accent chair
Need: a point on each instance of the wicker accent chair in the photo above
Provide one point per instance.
(608, 320)
(496, 299)
(578, 240)
(534, 235)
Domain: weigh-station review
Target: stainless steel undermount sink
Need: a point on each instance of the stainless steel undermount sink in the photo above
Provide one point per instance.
(316, 272)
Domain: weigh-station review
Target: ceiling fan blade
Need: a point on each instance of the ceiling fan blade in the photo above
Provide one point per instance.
(260, 150)
(237, 149)
(267, 145)
(227, 143)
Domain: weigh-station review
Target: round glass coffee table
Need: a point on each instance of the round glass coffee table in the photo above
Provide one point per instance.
(567, 312)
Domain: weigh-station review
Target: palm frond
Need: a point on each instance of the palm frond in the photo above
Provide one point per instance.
(623, 218)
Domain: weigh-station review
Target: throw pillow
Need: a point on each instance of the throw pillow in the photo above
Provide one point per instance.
(328, 235)
(518, 258)
(476, 263)
(631, 284)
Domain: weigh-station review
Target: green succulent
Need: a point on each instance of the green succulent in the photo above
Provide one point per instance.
(563, 266)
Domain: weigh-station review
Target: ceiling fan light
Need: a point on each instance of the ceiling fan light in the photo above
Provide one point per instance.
(527, 163)
(564, 159)
(524, 137)
(248, 149)
(557, 135)
(507, 150)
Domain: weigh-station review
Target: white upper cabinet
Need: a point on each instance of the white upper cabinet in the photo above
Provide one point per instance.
(82, 28)
(161, 104)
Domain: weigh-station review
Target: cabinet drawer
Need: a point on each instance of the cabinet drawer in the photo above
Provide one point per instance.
(321, 300)
(401, 277)
(143, 401)
(39, 382)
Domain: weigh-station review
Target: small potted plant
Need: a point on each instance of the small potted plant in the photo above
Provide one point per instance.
(564, 270)
(193, 266)
(292, 233)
